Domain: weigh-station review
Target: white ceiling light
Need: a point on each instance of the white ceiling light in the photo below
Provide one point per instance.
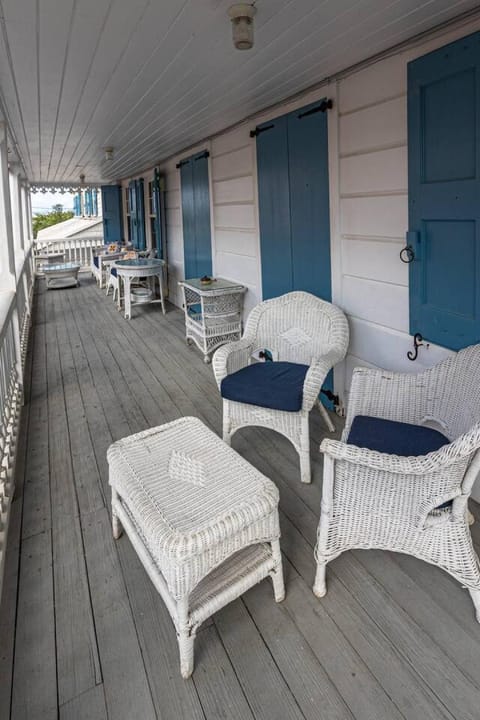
(241, 16)
(108, 153)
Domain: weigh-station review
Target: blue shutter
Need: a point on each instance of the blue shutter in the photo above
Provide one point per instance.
(309, 201)
(112, 213)
(132, 201)
(196, 216)
(292, 161)
(293, 193)
(274, 203)
(444, 193)
(188, 219)
(140, 214)
(158, 210)
(201, 191)
(88, 202)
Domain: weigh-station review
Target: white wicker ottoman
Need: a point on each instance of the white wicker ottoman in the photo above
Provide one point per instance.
(203, 521)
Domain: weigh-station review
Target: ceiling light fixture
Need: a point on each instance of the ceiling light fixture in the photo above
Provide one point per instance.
(108, 153)
(241, 16)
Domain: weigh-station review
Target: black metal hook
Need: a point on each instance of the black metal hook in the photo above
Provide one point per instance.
(417, 342)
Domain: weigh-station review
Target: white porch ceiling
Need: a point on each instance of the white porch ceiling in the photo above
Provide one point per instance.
(151, 77)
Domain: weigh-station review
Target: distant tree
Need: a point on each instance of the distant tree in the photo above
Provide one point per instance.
(56, 215)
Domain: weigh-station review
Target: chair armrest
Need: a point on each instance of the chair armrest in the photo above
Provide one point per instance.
(316, 375)
(424, 482)
(393, 396)
(459, 451)
(230, 358)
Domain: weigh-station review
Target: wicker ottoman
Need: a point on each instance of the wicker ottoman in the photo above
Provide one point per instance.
(203, 521)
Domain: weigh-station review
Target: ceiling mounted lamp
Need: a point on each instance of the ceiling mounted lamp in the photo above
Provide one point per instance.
(241, 16)
(108, 153)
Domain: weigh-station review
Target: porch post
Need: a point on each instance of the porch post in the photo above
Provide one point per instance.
(16, 204)
(8, 279)
(28, 214)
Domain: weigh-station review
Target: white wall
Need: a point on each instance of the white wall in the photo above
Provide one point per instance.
(368, 199)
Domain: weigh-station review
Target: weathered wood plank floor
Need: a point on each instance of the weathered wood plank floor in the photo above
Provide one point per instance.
(83, 634)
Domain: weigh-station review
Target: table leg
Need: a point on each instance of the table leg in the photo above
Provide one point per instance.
(127, 299)
(160, 282)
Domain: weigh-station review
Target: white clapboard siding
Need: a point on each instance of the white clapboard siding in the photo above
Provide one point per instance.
(378, 216)
(358, 252)
(174, 229)
(383, 303)
(235, 215)
(368, 129)
(234, 190)
(238, 163)
(384, 171)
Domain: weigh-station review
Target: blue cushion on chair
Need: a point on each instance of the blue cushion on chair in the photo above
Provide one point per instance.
(95, 261)
(275, 385)
(113, 271)
(394, 438)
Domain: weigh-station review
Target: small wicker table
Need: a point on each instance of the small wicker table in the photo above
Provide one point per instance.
(203, 521)
(128, 270)
(61, 275)
(213, 312)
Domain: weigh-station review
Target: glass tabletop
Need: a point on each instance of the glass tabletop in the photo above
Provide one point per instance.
(60, 266)
(140, 262)
(214, 284)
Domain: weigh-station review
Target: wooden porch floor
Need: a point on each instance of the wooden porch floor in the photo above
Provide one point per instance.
(83, 633)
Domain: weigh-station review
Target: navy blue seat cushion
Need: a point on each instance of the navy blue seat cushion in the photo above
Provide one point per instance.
(113, 271)
(394, 438)
(276, 385)
(95, 261)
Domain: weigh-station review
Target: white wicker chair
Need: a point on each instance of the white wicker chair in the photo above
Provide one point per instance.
(298, 328)
(372, 499)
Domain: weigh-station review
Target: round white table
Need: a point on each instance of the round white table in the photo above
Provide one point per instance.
(128, 270)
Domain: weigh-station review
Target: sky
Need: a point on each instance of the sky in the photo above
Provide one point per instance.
(43, 202)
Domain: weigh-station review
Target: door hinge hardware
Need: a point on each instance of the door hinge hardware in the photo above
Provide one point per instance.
(407, 254)
(324, 105)
(257, 131)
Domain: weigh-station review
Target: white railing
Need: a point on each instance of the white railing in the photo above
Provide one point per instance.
(25, 282)
(73, 249)
(15, 313)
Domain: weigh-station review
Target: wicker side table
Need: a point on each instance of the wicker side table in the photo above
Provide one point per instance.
(213, 313)
(203, 521)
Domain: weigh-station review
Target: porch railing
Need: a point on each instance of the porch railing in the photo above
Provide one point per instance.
(74, 250)
(15, 313)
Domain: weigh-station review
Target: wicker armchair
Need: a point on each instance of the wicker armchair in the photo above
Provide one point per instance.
(306, 337)
(414, 503)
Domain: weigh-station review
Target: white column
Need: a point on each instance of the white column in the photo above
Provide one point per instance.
(29, 213)
(7, 247)
(25, 195)
(16, 205)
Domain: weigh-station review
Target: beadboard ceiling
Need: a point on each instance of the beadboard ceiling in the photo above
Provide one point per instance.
(151, 77)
